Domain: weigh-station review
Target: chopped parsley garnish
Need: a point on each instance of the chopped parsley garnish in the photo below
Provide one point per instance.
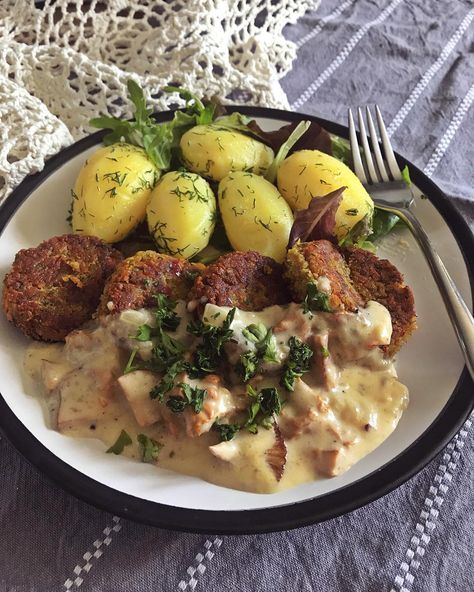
(149, 448)
(207, 356)
(263, 406)
(144, 333)
(248, 365)
(226, 431)
(265, 349)
(315, 300)
(167, 382)
(165, 314)
(192, 397)
(122, 441)
(298, 362)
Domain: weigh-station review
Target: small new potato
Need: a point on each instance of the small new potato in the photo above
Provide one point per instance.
(255, 215)
(309, 173)
(181, 214)
(111, 192)
(214, 152)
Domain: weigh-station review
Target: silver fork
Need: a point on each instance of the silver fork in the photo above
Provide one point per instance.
(383, 179)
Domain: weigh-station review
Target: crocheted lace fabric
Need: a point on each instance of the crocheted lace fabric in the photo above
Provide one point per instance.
(70, 60)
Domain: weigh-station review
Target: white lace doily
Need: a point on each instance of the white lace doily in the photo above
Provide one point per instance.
(70, 61)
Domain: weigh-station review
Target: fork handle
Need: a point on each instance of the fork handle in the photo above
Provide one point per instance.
(458, 311)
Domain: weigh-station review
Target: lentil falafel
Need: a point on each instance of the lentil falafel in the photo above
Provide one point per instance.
(244, 279)
(139, 278)
(55, 287)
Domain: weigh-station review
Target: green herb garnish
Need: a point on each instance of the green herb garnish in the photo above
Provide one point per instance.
(226, 431)
(298, 362)
(159, 140)
(265, 349)
(122, 441)
(192, 397)
(264, 405)
(167, 382)
(207, 356)
(315, 300)
(149, 448)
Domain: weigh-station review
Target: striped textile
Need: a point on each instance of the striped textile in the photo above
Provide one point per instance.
(414, 58)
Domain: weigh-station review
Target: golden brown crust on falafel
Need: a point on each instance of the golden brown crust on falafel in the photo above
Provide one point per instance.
(55, 287)
(307, 262)
(379, 280)
(355, 276)
(244, 279)
(139, 278)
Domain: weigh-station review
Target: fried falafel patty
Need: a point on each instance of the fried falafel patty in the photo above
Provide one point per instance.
(55, 287)
(354, 276)
(313, 261)
(379, 280)
(139, 278)
(244, 279)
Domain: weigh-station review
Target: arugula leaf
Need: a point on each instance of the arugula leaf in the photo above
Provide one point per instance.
(315, 300)
(149, 448)
(160, 141)
(297, 363)
(204, 114)
(282, 153)
(122, 441)
(226, 430)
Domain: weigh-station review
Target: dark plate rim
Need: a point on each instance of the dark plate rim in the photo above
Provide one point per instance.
(284, 517)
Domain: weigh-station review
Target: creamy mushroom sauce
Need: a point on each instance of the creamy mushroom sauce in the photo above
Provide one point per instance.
(344, 407)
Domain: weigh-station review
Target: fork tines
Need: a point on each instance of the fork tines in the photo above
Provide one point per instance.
(369, 163)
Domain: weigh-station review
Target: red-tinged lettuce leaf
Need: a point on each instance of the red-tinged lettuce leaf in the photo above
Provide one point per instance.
(318, 220)
(315, 138)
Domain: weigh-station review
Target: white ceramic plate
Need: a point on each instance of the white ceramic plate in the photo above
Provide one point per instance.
(430, 365)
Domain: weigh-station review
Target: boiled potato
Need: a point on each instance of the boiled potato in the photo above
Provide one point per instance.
(181, 214)
(255, 215)
(111, 192)
(214, 151)
(310, 173)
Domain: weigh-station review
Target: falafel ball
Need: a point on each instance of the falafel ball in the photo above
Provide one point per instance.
(139, 278)
(244, 279)
(55, 287)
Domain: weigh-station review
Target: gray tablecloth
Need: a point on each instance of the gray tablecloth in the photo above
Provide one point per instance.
(414, 58)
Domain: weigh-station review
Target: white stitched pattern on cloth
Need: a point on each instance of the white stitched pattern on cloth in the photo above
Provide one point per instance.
(343, 54)
(326, 19)
(430, 511)
(198, 566)
(449, 134)
(92, 555)
(448, 465)
(430, 73)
